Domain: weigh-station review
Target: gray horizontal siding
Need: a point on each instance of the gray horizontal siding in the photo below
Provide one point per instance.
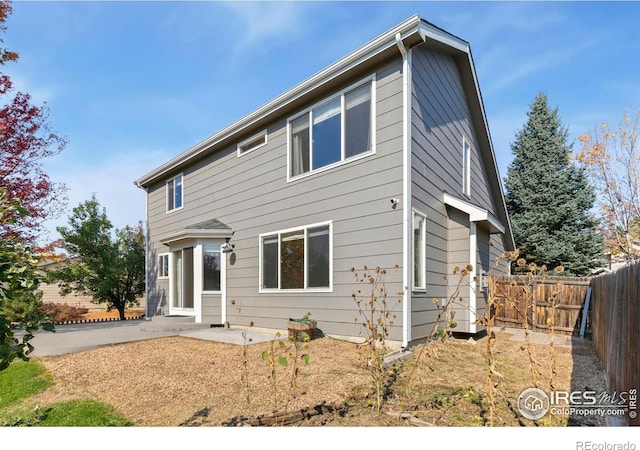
(211, 309)
(459, 251)
(252, 196)
(440, 119)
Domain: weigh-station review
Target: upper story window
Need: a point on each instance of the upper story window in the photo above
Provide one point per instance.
(466, 168)
(174, 193)
(252, 143)
(333, 131)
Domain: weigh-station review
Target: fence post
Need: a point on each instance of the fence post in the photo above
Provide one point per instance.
(534, 305)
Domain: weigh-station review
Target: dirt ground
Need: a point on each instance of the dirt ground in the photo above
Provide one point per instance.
(178, 381)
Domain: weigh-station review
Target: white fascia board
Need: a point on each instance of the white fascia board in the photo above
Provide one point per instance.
(430, 32)
(476, 214)
(353, 59)
(194, 234)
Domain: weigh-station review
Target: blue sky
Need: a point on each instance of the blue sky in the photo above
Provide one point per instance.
(133, 84)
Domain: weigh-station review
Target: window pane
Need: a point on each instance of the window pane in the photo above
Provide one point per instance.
(299, 163)
(326, 134)
(318, 270)
(292, 260)
(178, 193)
(253, 143)
(163, 265)
(176, 295)
(211, 268)
(358, 121)
(418, 251)
(270, 262)
(170, 195)
(187, 281)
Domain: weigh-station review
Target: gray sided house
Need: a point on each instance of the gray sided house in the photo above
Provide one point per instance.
(383, 158)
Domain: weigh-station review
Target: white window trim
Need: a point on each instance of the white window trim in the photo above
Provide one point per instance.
(466, 167)
(343, 160)
(305, 290)
(252, 138)
(415, 288)
(202, 245)
(163, 277)
(178, 309)
(181, 176)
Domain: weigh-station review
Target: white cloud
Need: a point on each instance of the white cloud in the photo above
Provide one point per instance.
(260, 23)
(504, 69)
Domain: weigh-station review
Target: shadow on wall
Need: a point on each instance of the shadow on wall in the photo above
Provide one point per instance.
(156, 297)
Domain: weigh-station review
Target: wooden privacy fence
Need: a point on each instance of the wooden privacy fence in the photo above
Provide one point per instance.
(520, 297)
(615, 323)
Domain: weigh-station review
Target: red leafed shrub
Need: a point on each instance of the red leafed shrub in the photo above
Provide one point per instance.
(59, 312)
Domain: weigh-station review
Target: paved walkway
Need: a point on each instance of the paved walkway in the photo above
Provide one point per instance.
(78, 337)
(518, 335)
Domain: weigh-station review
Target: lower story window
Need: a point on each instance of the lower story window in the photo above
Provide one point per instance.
(419, 251)
(182, 279)
(211, 268)
(296, 259)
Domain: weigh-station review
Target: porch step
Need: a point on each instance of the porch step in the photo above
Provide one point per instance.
(172, 323)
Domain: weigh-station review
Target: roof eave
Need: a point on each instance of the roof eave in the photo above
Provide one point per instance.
(189, 234)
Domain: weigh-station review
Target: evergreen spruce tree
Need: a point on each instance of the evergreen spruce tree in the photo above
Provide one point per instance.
(549, 199)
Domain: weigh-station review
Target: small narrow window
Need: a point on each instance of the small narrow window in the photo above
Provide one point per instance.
(174, 193)
(211, 268)
(163, 265)
(252, 143)
(270, 262)
(466, 168)
(419, 251)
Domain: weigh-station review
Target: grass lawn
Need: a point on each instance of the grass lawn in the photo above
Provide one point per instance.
(22, 380)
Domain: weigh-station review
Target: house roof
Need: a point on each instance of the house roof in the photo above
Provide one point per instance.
(412, 31)
(209, 229)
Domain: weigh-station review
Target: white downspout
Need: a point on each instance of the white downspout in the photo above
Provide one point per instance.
(223, 288)
(146, 253)
(406, 191)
